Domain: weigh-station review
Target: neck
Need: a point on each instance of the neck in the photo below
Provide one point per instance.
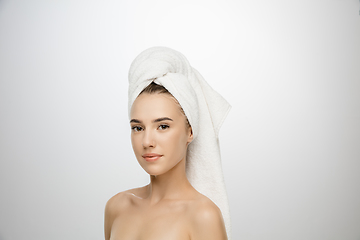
(170, 185)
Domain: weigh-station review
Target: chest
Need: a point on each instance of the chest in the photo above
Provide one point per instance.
(160, 223)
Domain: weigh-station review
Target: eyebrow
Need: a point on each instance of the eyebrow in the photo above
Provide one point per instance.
(156, 120)
(162, 119)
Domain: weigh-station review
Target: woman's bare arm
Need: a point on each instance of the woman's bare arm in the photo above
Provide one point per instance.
(112, 210)
(108, 218)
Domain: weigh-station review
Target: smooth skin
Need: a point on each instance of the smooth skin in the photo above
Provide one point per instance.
(169, 207)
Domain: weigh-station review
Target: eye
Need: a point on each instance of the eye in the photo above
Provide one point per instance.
(137, 128)
(163, 126)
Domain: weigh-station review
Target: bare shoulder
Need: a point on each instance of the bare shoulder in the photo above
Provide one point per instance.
(118, 204)
(203, 209)
(122, 200)
(207, 221)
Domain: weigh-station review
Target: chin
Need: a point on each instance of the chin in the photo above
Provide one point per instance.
(158, 168)
(155, 170)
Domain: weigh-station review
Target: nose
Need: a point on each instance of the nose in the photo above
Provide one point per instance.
(148, 140)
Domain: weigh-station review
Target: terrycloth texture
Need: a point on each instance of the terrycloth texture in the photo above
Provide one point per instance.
(205, 109)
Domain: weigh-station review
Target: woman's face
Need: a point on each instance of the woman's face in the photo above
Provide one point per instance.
(159, 133)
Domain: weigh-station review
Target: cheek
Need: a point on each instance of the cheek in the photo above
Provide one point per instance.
(136, 143)
(174, 143)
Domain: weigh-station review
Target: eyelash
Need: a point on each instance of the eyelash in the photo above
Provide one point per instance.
(163, 126)
(139, 128)
(136, 128)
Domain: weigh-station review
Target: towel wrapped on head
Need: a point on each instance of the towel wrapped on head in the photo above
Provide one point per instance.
(203, 106)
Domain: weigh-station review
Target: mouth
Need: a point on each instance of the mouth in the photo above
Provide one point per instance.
(151, 157)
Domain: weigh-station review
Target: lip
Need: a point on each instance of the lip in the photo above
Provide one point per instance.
(151, 157)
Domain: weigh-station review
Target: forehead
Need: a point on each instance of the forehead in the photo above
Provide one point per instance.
(152, 106)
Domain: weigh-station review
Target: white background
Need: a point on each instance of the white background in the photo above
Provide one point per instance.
(290, 145)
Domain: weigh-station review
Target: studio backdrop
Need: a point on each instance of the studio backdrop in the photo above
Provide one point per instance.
(290, 145)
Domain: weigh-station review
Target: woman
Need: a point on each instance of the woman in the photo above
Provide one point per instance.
(175, 117)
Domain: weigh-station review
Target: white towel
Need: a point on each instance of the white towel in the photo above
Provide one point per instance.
(205, 109)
